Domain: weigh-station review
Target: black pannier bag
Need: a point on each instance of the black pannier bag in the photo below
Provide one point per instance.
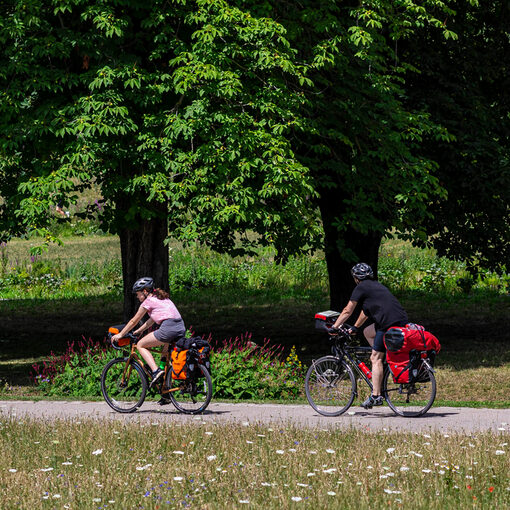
(394, 339)
(198, 351)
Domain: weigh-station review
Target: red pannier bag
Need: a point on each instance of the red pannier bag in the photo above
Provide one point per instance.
(403, 345)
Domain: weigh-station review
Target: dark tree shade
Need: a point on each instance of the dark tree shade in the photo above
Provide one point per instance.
(465, 84)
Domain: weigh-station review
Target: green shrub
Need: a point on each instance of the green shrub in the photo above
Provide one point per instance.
(75, 373)
(240, 370)
(244, 370)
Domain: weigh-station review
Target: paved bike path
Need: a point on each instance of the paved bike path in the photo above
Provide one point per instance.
(443, 419)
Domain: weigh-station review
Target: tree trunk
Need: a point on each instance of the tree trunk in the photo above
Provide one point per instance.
(344, 249)
(143, 253)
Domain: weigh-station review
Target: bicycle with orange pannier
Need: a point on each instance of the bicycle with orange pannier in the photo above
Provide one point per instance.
(187, 384)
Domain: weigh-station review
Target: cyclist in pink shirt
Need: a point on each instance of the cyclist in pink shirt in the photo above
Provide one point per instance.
(156, 302)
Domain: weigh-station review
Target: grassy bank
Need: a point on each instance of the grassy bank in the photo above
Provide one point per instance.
(112, 465)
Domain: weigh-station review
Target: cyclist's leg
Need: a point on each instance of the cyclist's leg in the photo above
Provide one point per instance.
(377, 357)
(377, 371)
(148, 341)
(369, 333)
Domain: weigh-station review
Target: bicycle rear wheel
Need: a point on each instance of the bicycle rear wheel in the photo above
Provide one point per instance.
(192, 395)
(410, 399)
(124, 386)
(330, 386)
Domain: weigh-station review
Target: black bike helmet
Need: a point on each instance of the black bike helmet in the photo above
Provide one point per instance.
(362, 271)
(143, 283)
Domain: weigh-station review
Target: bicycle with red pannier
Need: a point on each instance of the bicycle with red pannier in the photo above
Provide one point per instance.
(409, 384)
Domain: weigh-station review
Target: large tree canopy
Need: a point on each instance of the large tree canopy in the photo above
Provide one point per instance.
(361, 138)
(211, 118)
(407, 126)
(187, 104)
(175, 109)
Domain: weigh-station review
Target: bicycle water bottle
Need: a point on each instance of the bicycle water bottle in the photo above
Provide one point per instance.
(365, 370)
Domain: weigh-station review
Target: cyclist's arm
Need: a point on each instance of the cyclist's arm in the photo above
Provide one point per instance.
(144, 326)
(361, 320)
(346, 313)
(131, 324)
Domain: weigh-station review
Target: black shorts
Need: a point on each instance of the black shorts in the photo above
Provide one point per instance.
(170, 330)
(379, 341)
(379, 338)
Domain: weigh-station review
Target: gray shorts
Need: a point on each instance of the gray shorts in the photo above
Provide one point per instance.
(170, 330)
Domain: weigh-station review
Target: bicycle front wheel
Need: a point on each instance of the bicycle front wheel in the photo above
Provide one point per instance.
(330, 386)
(192, 395)
(410, 399)
(124, 385)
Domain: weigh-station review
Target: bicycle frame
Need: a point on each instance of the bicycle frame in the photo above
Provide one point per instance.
(134, 355)
(340, 350)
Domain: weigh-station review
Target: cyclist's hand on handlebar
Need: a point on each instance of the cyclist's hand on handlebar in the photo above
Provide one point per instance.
(352, 330)
(343, 328)
(115, 338)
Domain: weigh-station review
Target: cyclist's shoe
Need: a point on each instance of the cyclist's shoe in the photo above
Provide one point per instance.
(163, 401)
(156, 376)
(373, 401)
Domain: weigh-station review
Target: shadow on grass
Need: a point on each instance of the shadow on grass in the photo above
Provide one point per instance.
(472, 329)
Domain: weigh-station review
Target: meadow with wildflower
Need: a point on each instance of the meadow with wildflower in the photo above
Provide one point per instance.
(90, 265)
(100, 465)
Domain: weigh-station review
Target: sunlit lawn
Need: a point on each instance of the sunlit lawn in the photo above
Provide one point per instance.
(95, 464)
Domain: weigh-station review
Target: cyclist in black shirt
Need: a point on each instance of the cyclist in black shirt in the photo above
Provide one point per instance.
(382, 307)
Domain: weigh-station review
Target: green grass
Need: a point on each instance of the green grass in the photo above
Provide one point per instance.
(91, 464)
(84, 267)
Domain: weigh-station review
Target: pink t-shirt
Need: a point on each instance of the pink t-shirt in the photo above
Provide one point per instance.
(160, 309)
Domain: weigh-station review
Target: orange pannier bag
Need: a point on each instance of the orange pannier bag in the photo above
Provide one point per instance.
(179, 358)
(114, 330)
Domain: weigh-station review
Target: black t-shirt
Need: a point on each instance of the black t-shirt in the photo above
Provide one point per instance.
(379, 304)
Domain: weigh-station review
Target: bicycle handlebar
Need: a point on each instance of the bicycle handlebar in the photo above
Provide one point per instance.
(132, 339)
(343, 332)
